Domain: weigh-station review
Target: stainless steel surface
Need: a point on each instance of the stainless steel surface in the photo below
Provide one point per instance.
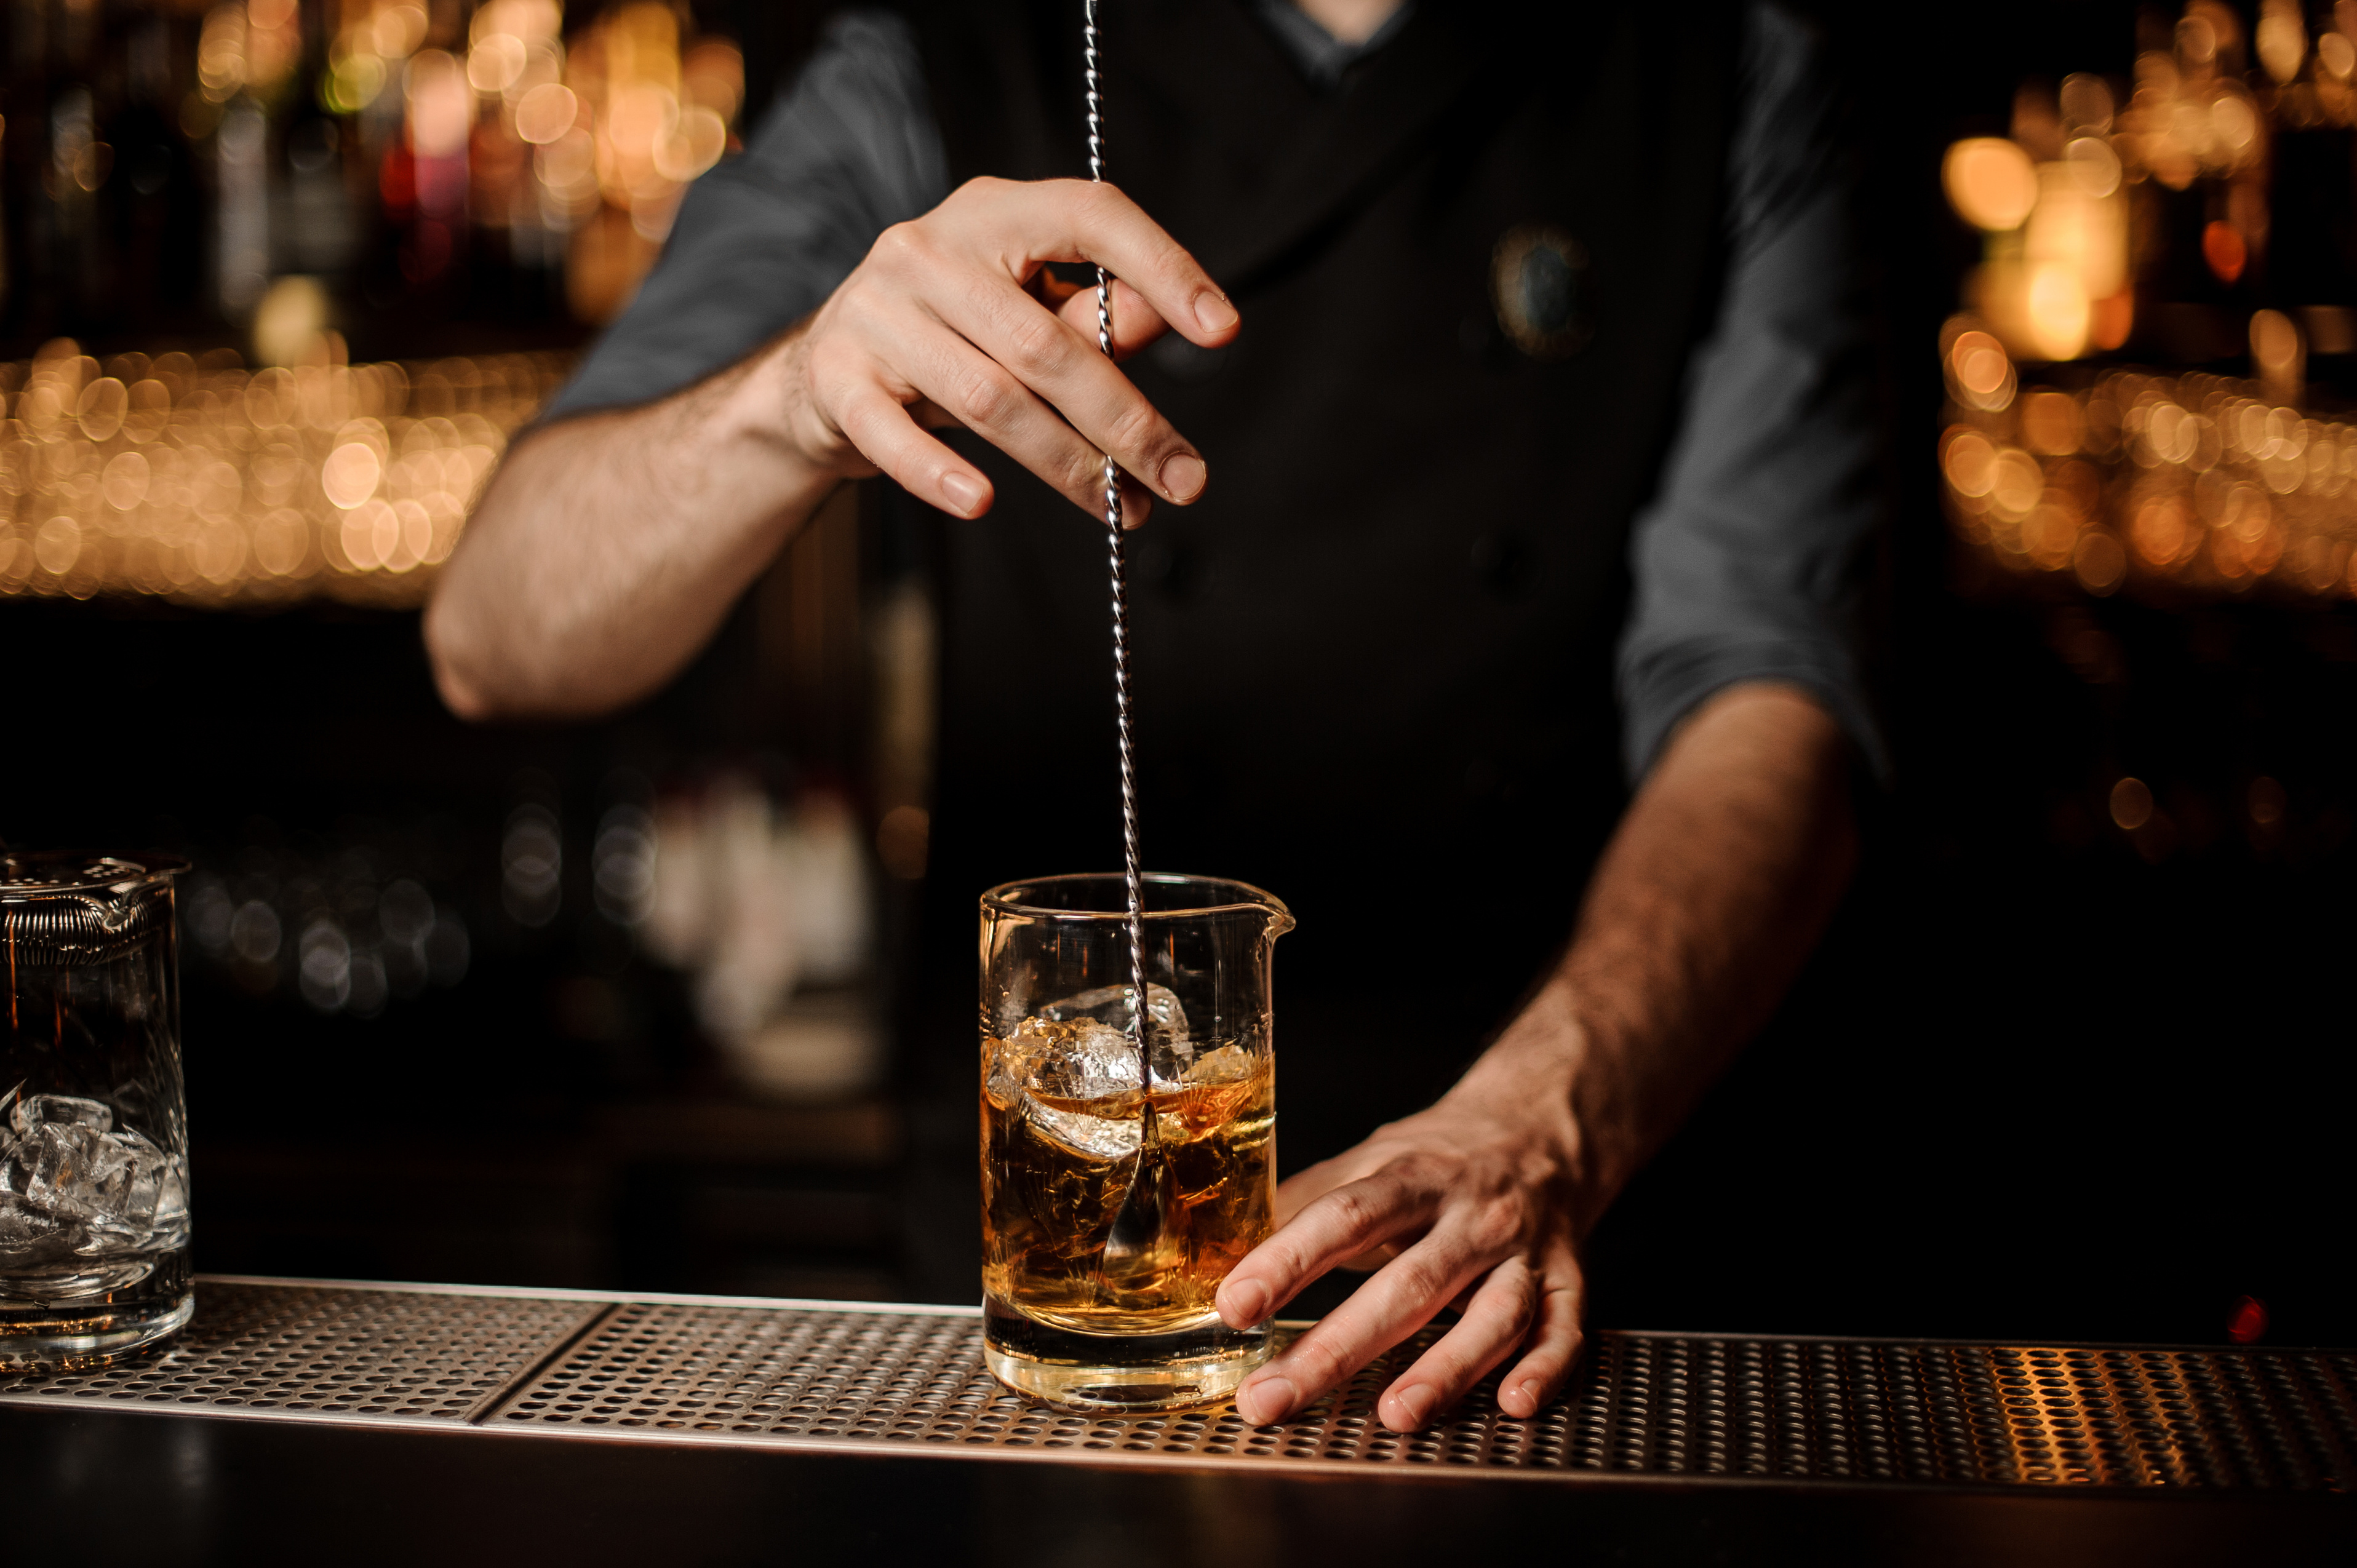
(846, 1378)
(350, 1353)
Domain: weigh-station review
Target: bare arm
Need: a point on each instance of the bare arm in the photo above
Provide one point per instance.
(609, 548)
(1712, 891)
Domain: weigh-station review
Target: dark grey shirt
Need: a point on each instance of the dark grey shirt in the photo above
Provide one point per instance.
(1745, 562)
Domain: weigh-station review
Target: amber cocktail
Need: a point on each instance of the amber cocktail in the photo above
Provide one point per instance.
(1120, 1185)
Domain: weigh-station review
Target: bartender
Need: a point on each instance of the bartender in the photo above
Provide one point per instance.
(1491, 408)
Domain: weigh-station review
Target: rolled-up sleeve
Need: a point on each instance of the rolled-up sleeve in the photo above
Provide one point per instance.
(762, 240)
(1749, 563)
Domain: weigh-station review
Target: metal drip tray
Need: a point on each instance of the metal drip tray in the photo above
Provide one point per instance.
(838, 1377)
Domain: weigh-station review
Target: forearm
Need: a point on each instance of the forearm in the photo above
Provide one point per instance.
(1711, 894)
(609, 548)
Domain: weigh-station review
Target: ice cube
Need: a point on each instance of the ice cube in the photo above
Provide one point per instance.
(72, 1171)
(1165, 1018)
(1082, 1060)
(1091, 1137)
(126, 1180)
(47, 1161)
(172, 1194)
(1222, 1066)
(1002, 1082)
(1066, 1061)
(65, 1110)
(31, 1235)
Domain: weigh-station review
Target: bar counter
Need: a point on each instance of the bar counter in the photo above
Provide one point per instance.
(366, 1423)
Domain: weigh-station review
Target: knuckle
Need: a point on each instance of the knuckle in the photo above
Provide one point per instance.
(1286, 1260)
(1454, 1364)
(981, 188)
(1494, 1226)
(1083, 475)
(902, 245)
(1357, 1215)
(987, 397)
(1095, 200)
(1037, 345)
(1422, 1278)
(1135, 428)
(832, 366)
(1323, 1362)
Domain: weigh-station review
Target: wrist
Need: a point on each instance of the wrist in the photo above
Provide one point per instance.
(1547, 1076)
(769, 416)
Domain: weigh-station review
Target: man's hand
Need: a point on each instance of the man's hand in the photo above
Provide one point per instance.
(1722, 873)
(954, 319)
(608, 547)
(1470, 1204)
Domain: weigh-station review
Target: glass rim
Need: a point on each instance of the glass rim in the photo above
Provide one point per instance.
(1000, 900)
(86, 872)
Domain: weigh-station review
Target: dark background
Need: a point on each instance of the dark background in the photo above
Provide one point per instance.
(2043, 1079)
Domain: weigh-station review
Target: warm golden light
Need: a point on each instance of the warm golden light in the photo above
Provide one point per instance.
(2131, 804)
(2085, 103)
(495, 62)
(441, 106)
(1970, 463)
(2059, 312)
(2282, 38)
(290, 324)
(1990, 182)
(2050, 424)
(2099, 563)
(1980, 373)
(321, 478)
(2200, 480)
(2276, 355)
(546, 113)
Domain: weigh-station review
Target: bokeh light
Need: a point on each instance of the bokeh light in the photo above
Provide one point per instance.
(1990, 182)
(2195, 482)
(197, 480)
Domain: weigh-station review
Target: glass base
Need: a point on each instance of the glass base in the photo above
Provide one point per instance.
(73, 1334)
(1127, 1374)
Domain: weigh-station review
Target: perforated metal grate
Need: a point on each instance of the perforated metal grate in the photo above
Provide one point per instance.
(850, 1378)
(1642, 1404)
(348, 1353)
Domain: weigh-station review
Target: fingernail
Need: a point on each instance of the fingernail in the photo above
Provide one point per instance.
(1183, 477)
(1247, 1303)
(1266, 1401)
(1214, 313)
(1531, 1391)
(963, 490)
(1414, 1405)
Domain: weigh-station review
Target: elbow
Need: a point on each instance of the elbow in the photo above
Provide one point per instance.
(489, 667)
(455, 665)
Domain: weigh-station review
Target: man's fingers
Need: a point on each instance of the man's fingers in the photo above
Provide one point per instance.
(1051, 357)
(981, 394)
(1345, 1222)
(1304, 1188)
(1135, 323)
(1395, 1304)
(1553, 1341)
(1495, 1320)
(875, 421)
(1080, 221)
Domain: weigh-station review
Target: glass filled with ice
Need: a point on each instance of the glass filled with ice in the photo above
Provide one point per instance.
(93, 1122)
(1120, 1185)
